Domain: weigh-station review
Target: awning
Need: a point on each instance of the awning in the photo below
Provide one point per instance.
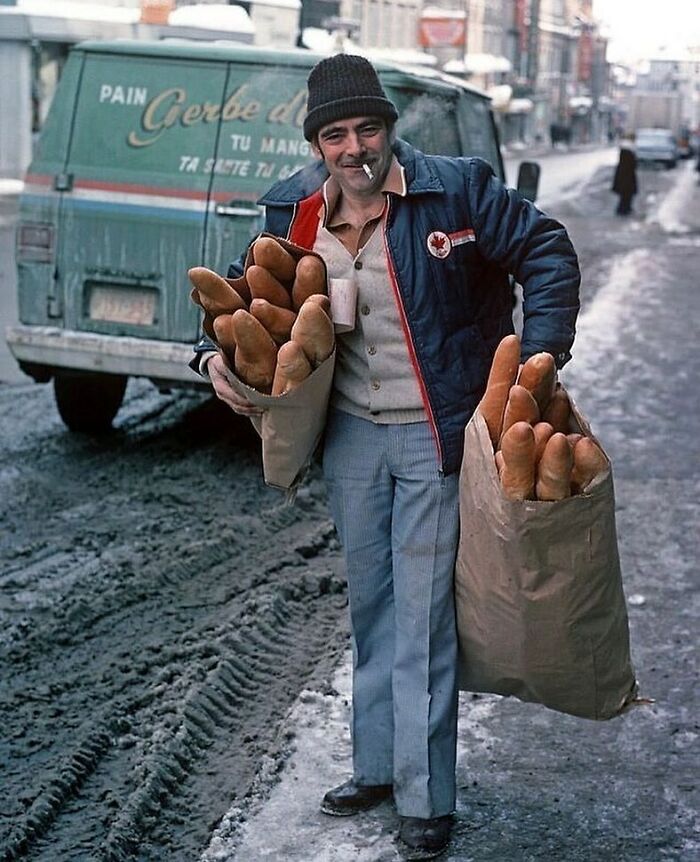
(478, 64)
(580, 104)
(323, 42)
(400, 56)
(520, 106)
(605, 103)
(500, 96)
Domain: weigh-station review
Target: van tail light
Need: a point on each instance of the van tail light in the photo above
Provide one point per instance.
(35, 242)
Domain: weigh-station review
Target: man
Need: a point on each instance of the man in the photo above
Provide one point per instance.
(429, 242)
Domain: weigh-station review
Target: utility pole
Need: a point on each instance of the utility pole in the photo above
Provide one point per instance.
(533, 44)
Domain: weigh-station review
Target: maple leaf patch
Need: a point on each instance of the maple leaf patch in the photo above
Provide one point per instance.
(439, 244)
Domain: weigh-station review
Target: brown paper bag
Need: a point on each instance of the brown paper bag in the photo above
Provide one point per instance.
(292, 424)
(541, 614)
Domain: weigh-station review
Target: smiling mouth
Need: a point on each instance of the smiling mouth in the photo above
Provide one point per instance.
(363, 167)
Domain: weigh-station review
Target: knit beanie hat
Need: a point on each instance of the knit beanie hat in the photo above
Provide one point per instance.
(344, 86)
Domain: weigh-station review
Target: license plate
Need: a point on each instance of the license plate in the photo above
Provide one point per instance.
(123, 305)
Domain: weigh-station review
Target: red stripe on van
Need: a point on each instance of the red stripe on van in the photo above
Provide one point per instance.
(39, 179)
(135, 189)
(138, 189)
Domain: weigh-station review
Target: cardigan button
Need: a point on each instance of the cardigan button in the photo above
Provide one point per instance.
(358, 264)
(376, 385)
(364, 309)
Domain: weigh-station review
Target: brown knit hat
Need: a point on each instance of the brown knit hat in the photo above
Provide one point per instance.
(344, 86)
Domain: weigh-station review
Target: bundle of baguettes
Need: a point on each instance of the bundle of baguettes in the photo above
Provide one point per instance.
(273, 325)
(539, 451)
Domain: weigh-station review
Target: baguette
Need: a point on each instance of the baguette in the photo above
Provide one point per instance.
(573, 439)
(268, 253)
(554, 469)
(518, 472)
(589, 461)
(293, 367)
(543, 431)
(278, 321)
(256, 352)
(309, 279)
(498, 458)
(520, 407)
(558, 411)
(264, 285)
(213, 292)
(225, 337)
(322, 301)
(504, 369)
(313, 330)
(537, 376)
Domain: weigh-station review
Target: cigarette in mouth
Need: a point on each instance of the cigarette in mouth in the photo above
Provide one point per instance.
(366, 168)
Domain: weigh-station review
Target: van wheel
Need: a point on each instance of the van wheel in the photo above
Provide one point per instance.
(88, 402)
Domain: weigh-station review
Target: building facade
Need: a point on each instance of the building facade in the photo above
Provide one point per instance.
(542, 61)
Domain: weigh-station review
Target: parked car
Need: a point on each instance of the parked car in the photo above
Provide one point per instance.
(656, 146)
(151, 161)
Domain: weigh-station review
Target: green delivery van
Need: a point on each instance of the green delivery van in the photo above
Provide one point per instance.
(151, 161)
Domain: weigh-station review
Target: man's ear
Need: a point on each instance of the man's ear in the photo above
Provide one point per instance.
(315, 148)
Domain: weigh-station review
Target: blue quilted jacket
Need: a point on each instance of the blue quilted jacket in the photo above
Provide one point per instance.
(451, 244)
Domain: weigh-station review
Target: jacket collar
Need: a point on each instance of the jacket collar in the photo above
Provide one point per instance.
(420, 178)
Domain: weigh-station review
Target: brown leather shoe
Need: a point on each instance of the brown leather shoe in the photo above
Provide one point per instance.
(424, 839)
(351, 798)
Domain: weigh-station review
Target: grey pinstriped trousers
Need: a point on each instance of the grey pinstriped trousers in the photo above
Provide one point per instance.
(398, 520)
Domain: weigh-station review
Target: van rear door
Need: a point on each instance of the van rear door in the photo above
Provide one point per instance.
(38, 229)
(134, 192)
(260, 142)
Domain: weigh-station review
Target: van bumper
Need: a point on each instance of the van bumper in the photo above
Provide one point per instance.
(87, 351)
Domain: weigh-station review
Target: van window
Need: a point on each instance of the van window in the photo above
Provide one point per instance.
(477, 129)
(428, 121)
(51, 144)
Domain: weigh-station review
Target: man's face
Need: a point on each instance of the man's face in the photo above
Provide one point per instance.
(346, 145)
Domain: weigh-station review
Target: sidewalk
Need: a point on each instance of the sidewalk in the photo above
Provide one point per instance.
(534, 784)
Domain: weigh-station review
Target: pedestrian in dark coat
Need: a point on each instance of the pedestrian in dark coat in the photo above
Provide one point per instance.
(625, 180)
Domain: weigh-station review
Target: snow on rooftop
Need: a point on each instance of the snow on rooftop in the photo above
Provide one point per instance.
(208, 16)
(282, 4)
(212, 16)
(77, 11)
(323, 42)
(437, 12)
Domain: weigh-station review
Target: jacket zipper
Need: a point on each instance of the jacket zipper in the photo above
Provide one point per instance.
(292, 222)
(409, 338)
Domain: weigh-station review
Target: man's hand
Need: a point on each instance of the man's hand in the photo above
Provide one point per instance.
(226, 393)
